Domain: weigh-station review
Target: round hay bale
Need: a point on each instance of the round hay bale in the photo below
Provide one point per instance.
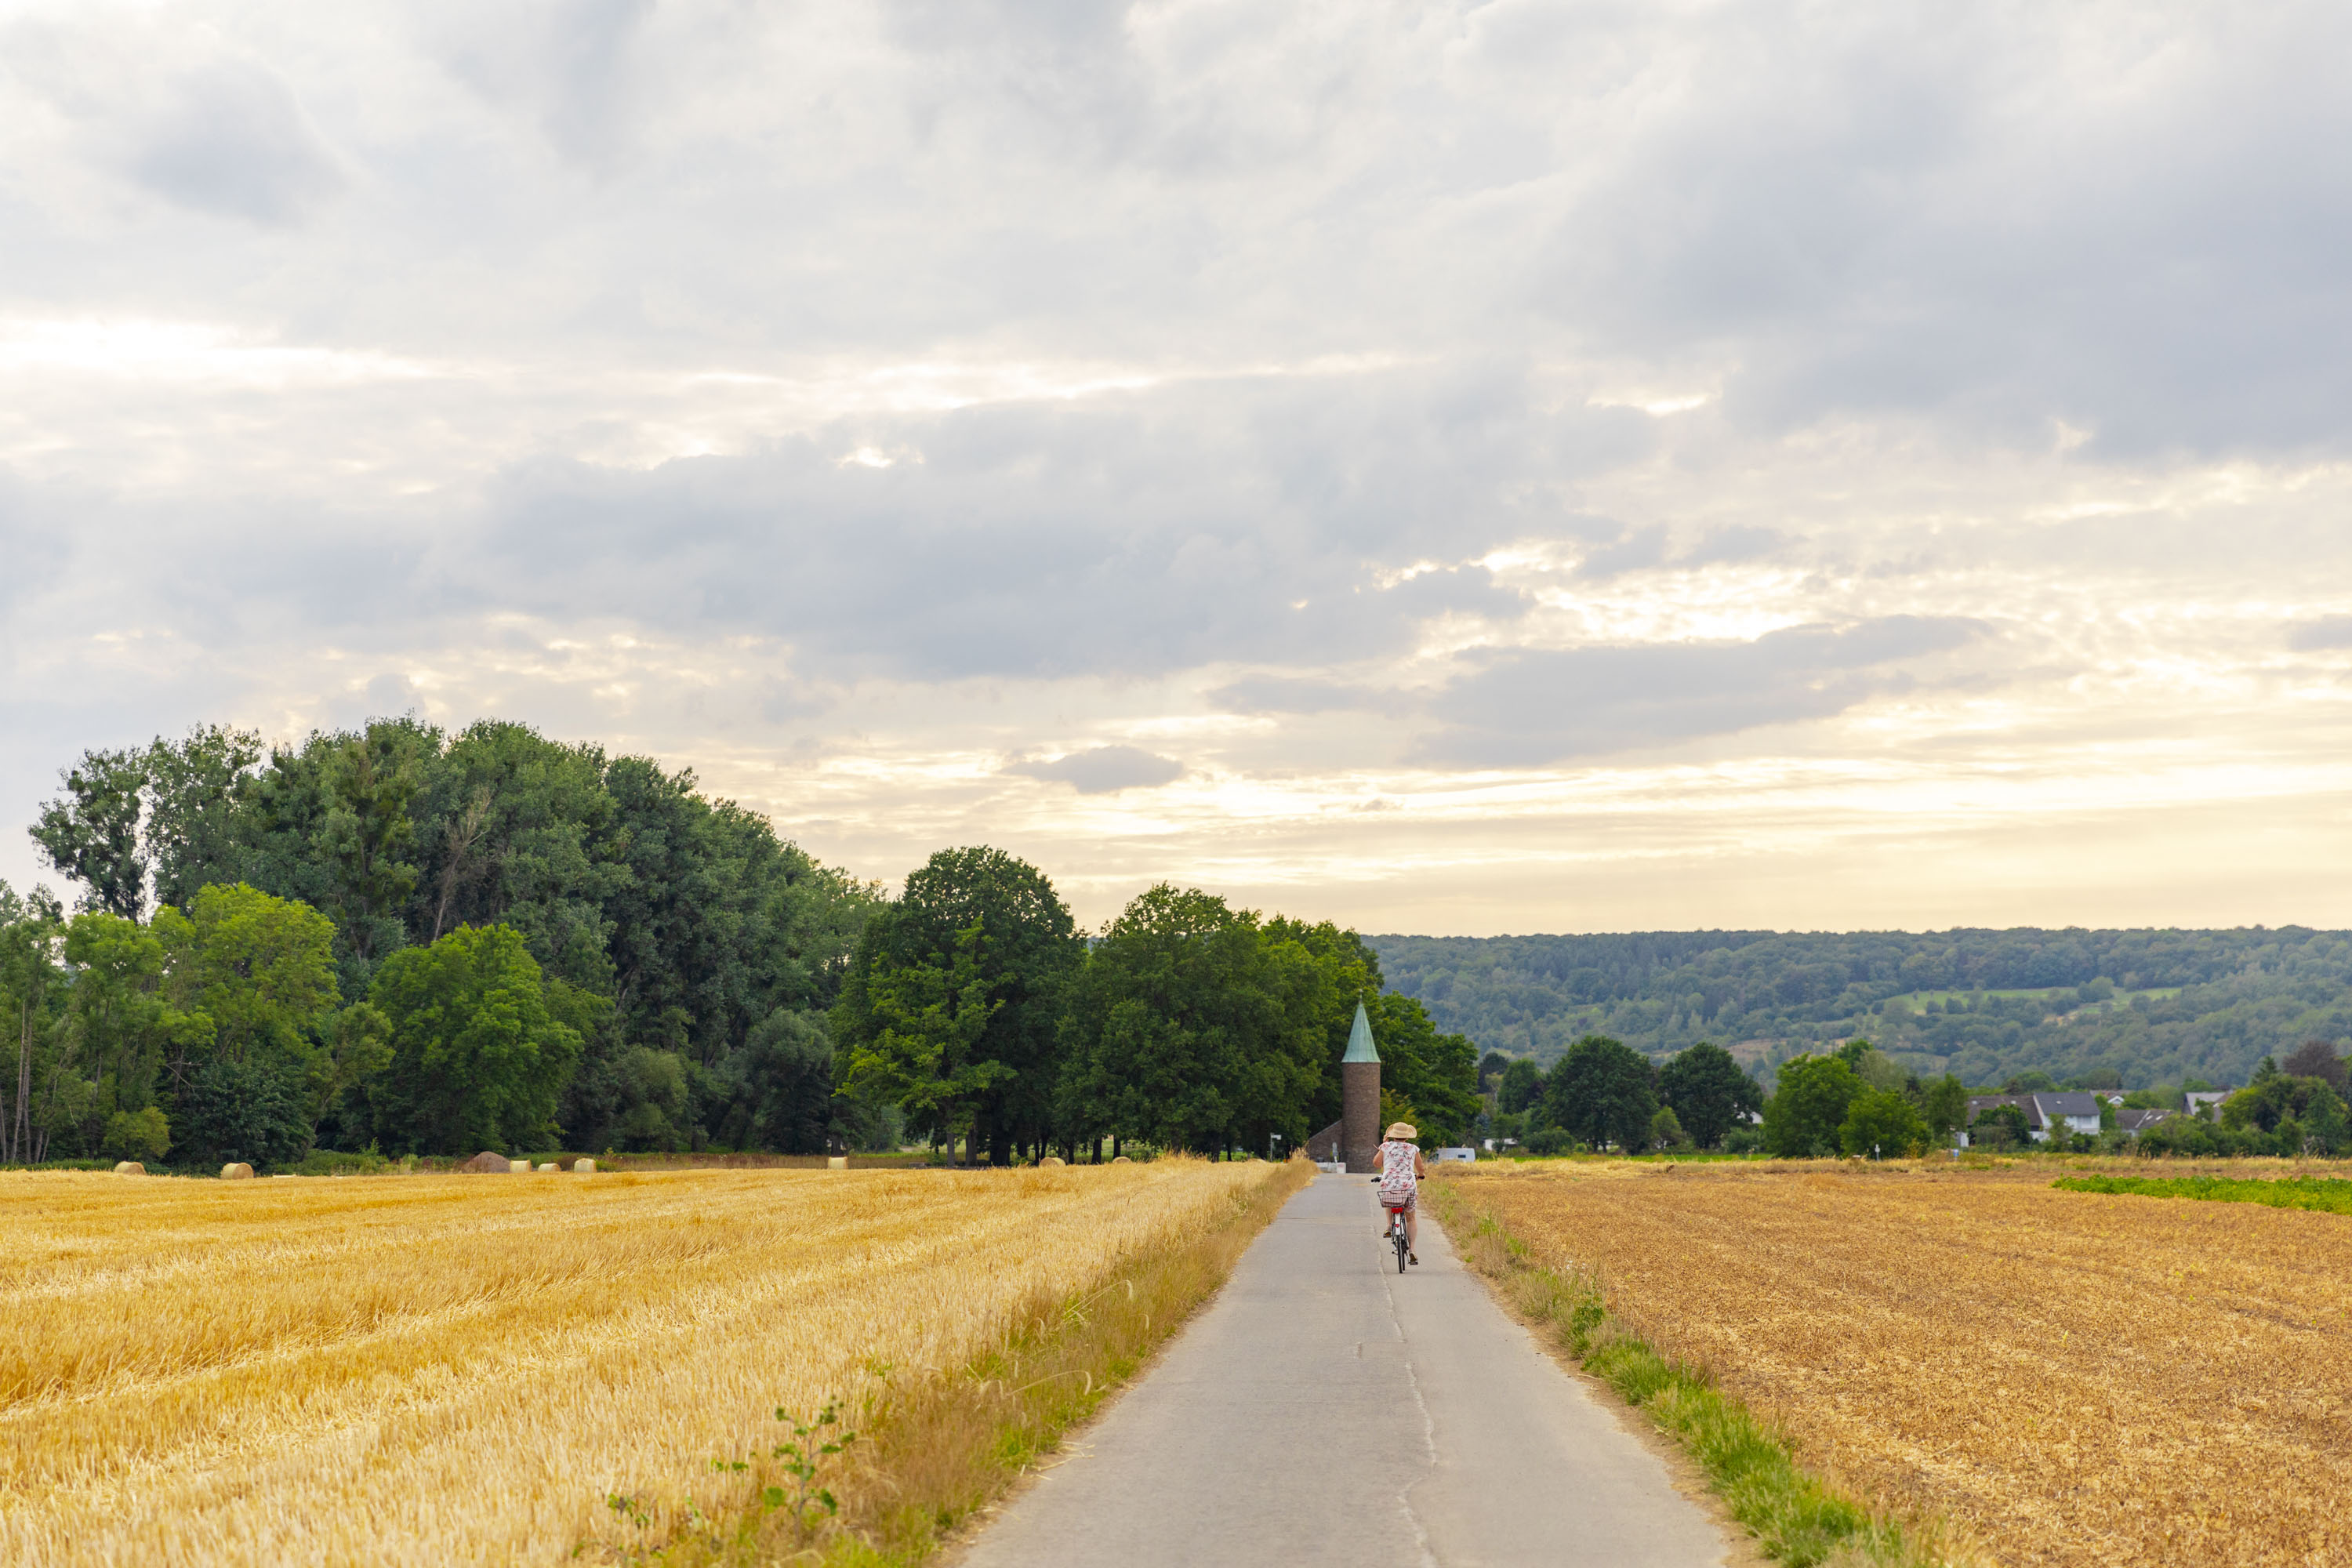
(549, 1166)
(1121, 1160)
(584, 1167)
(836, 1162)
(237, 1171)
(130, 1168)
(488, 1164)
(519, 1167)
(1049, 1161)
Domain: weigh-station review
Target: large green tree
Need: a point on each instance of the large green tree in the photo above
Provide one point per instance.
(1944, 1106)
(1881, 1122)
(951, 1003)
(1520, 1086)
(253, 977)
(1190, 1028)
(918, 1037)
(1809, 1103)
(367, 837)
(119, 1028)
(1603, 1091)
(1709, 1093)
(91, 832)
(477, 1061)
(192, 788)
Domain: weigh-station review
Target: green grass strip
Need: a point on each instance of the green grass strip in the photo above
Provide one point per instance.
(1798, 1519)
(2330, 1194)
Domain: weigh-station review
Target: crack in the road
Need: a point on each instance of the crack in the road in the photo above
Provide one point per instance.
(1428, 1430)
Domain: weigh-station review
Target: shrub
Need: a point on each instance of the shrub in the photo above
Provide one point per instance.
(330, 1162)
(138, 1135)
(243, 1111)
(478, 1059)
(1880, 1121)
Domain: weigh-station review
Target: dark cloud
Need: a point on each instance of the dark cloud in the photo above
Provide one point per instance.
(1731, 545)
(1637, 549)
(2316, 636)
(1531, 708)
(1104, 769)
(1991, 227)
(230, 139)
(1030, 541)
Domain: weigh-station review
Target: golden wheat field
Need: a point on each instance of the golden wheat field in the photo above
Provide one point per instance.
(452, 1369)
(2070, 1378)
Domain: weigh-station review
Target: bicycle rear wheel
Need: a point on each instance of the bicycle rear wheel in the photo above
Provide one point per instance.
(1400, 1247)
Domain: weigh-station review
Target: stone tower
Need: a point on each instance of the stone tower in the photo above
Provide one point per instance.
(1359, 1099)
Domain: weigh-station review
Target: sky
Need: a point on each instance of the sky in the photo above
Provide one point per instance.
(1460, 468)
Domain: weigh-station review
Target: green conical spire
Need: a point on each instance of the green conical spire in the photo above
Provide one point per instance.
(1360, 1039)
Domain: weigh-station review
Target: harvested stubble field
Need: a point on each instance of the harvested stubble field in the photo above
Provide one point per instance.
(451, 1369)
(2070, 1378)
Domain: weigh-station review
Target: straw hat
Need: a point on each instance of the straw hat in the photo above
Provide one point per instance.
(1402, 1131)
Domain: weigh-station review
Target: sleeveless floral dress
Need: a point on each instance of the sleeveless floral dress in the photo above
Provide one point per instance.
(1398, 1184)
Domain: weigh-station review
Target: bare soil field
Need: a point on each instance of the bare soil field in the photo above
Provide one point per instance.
(2069, 1378)
(454, 1369)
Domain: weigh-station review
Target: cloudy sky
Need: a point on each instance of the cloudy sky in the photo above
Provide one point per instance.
(1506, 466)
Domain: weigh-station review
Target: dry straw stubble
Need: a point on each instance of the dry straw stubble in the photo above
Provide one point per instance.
(445, 1369)
(2070, 1378)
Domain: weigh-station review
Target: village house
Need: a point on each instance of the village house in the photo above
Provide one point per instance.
(2067, 1113)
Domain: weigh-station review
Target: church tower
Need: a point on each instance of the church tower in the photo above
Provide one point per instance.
(1359, 1098)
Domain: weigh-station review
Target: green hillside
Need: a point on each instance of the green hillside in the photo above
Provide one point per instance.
(2126, 1007)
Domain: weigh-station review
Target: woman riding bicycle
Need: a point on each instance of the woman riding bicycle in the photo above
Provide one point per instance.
(1402, 1168)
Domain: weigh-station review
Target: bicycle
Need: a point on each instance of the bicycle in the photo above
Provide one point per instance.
(1397, 1235)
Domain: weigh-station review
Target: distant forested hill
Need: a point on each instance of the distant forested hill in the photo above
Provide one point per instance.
(2130, 1007)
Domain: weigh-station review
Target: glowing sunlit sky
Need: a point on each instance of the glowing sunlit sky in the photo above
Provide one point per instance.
(1446, 467)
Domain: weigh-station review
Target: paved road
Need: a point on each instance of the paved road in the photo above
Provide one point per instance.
(1325, 1410)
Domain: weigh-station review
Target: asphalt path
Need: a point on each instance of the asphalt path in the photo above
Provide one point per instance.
(1326, 1410)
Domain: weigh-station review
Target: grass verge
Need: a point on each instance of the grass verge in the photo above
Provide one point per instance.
(1797, 1517)
(929, 1453)
(2330, 1194)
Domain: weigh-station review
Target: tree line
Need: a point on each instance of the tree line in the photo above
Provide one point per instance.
(417, 942)
(2109, 1007)
(1860, 1100)
(1604, 1094)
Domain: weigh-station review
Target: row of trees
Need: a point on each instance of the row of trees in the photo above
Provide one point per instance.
(220, 1033)
(435, 943)
(974, 1005)
(1602, 1093)
(1860, 1100)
